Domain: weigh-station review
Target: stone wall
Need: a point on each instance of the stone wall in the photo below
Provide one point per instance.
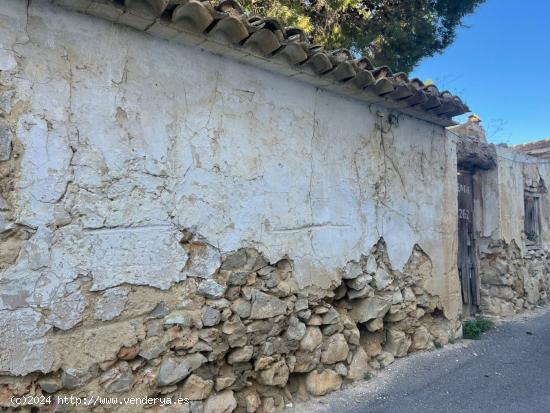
(513, 277)
(510, 281)
(172, 221)
(240, 333)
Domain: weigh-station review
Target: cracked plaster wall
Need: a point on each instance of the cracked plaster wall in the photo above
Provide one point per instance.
(513, 277)
(501, 208)
(119, 141)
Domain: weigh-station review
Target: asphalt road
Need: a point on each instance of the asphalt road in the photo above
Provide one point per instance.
(508, 370)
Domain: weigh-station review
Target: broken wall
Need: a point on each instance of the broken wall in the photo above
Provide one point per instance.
(513, 277)
(134, 175)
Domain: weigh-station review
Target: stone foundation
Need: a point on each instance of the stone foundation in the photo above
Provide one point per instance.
(511, 282)
(239, 334)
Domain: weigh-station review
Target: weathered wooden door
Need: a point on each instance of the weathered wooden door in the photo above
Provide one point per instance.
(466, 241)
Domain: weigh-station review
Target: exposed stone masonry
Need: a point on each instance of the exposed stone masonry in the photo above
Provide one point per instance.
(240, 334)
(510, 282)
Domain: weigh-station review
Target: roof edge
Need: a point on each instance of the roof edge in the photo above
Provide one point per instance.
(225, 30)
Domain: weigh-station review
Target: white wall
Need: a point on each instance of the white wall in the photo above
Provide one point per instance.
(127, 140)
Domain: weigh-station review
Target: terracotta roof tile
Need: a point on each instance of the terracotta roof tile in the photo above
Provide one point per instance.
(227, 23)
(540, 149)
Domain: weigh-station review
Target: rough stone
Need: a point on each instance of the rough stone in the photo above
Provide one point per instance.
(119, 379)
(211, 317)
(312, 339)
(440, 331)
(173, 370)
(263, 362)
(355, 294)
(301, 304)
(6, 137)
(408, 295)
(397, 342)
(223, 402)
(50, 384)
(253, 402)
(241, 307)
(340, 292)
(315, 320)
(224, 382)
(128, 353)
(197, 388)
(237, 278)
(353, 336)
(532, 290)
(332, 329)
(372, 343)
(382, 278)
(421, 338)
(307, 360)
(276, 375)
(211, 289)
(235, 261)
(319, 384)
(352, 270)
(296, 329)
(240, 355)
(359, 364)
(341, 369)
(184, 318)
(360, 282)
(335, 349)
(395, 315)
(371, 265)
(385, 359)
(204, 260)
(397, 297)
(160, 311)
(72, 378)
(266, 306)
(331, 317)
(369, 308)
(375, 325)
(151, 348)
(233, 325)
(187, 341)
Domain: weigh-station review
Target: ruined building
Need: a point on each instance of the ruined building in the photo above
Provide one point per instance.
(199, 203)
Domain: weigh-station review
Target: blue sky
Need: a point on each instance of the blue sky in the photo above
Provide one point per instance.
(500, 66)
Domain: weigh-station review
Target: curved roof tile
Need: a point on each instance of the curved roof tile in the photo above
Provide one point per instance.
(226, 22)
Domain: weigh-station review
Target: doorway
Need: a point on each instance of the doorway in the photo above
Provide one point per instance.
(466, 242)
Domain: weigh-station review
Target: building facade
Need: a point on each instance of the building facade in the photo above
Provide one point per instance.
(195, 203)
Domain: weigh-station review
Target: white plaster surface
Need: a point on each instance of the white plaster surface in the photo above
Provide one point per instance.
(128, 140)
(510, 178)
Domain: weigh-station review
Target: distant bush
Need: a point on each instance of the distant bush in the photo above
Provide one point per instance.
(472, 329)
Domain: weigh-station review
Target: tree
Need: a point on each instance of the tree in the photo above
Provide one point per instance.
(397, 33)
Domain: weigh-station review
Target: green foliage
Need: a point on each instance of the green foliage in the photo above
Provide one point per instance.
(397, 33)
(472, 329)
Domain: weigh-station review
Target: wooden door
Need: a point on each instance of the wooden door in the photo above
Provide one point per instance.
(466, 240)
